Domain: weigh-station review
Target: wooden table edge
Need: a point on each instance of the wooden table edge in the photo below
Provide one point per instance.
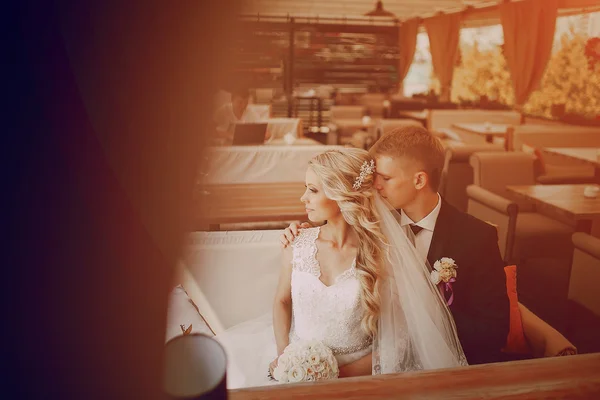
(556, 377)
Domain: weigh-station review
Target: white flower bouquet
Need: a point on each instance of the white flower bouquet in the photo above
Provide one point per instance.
(306, 361)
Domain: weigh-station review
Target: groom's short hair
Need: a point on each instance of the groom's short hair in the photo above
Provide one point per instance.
(417, 143)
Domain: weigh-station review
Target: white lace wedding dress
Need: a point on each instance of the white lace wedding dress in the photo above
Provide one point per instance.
(330, 314)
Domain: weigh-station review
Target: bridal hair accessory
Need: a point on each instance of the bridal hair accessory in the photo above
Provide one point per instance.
(445, 272)
(367, 168)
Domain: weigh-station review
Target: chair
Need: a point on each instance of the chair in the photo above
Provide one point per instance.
(529, 334)
(497, 211)
(458, 173)
(347, 112)
(523, 233)
(585, 272)
(583, 296)
(554, 169)
(347, 120)
(385, 126)
(373, 102)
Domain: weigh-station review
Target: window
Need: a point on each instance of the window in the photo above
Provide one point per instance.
(482, 69)
(418, 78)
(569, 85)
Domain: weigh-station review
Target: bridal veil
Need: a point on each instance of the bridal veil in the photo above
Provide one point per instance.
(416, 329)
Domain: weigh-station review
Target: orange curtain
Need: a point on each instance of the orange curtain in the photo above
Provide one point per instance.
(443, 31)
(408, 44)
(528, 35)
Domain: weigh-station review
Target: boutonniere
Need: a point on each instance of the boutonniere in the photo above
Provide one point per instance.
(444, 273)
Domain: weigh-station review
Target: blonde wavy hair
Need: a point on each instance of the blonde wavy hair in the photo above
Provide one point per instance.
(338, 170)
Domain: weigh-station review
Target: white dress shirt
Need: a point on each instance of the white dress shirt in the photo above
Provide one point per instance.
(423, 238)
(226, 119)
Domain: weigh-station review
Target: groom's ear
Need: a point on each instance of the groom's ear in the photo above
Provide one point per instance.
(421, 180)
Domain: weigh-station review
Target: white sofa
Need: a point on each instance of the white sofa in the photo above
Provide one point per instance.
(181, 311)
(232, 276)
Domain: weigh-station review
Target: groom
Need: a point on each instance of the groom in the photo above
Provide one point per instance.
(409, 164)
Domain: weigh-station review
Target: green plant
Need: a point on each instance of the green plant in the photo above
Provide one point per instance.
(482, 73)
(568, 80)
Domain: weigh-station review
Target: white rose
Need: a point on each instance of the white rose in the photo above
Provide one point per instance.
(435, 277)
(447, 263)
(295, 359)
(314, 359)
(447, 260)
(437, 266)
(296, 374)
(279, 373)
(283, 359)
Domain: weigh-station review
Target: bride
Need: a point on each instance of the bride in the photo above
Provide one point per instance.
(356, 284)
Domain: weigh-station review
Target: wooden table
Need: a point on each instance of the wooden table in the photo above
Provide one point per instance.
(252, 202)
(489, 131)
(567, 200)
(572, 377)
(586, 155)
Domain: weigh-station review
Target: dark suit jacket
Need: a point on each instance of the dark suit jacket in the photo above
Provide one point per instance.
(480, 306)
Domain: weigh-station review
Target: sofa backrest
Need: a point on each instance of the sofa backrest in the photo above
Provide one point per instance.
(541, 136)
(458, 173)
(439, 119)
(496, 170)
(237, 272)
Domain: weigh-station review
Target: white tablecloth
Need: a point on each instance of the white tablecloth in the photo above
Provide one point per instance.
(274, 162)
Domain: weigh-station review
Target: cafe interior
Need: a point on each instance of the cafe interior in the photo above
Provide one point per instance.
(511, 89)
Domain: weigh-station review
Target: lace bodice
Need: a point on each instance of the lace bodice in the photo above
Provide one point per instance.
(330, 314)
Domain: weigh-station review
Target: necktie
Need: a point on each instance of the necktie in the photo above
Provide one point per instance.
(416, 229)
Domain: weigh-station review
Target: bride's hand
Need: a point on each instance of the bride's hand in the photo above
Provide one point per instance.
(291, 232)
(273, 365)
